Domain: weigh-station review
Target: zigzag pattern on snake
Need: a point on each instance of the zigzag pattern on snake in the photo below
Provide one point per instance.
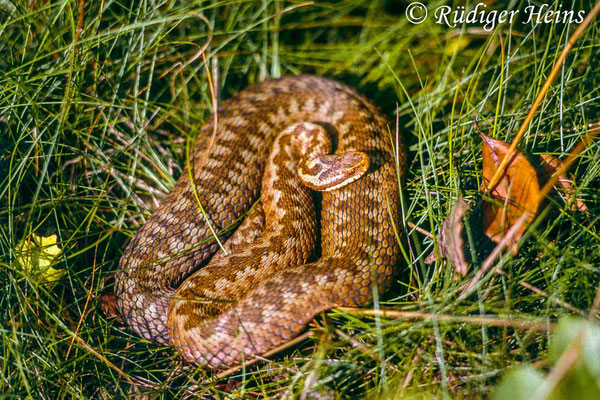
(272, 140)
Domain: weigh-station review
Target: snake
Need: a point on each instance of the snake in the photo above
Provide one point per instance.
(289, 206)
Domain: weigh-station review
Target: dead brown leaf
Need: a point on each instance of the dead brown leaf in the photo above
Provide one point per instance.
(517, 192)
(550, 165)
(107, 301)
(450, 239)
(108, 305)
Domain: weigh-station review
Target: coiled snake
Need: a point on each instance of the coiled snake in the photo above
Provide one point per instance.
(272, 141)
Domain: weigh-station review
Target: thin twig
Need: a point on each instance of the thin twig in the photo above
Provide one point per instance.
(474, 319)
(420, 230)
(540, 292)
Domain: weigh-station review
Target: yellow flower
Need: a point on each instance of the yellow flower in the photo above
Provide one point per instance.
(36, 254)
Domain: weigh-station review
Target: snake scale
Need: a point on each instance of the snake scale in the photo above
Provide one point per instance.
(284, 264)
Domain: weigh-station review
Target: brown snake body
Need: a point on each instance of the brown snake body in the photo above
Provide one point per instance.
(272, 140)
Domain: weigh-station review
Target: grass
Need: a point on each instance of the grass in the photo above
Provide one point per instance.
(96, 112)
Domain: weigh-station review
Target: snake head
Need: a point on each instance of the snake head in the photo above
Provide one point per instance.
(330, 172)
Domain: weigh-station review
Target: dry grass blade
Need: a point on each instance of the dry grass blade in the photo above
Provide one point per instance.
(474, 319)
